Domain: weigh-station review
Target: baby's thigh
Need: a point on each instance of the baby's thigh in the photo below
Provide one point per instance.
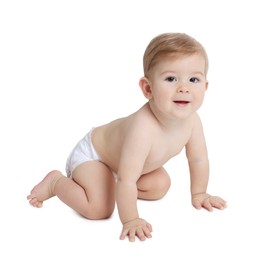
(153, 185)
(98, 182)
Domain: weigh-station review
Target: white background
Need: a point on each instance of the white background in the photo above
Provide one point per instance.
(66, 66)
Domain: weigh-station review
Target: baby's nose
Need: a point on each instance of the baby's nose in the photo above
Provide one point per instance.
(182, 89)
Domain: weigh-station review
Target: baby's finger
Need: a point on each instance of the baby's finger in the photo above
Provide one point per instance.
(140, 234)
(147, 232)
(132, 235)
(207, 205)
(197, 204)
(222, 201)
(149, 226)
(218, 203)
(124, 234)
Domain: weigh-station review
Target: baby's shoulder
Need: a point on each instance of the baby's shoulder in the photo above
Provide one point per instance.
(144, 116)
(138, 125)
(143, 120)
(196, 121)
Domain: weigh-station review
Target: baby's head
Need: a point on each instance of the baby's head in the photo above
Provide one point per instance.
(172, 45)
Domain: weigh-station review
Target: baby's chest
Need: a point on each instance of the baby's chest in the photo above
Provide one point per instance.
(163, 150)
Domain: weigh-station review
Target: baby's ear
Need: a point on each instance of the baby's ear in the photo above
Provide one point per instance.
(146, 88)
(206, 85)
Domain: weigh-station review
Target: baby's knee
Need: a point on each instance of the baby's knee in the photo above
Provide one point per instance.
(154, 186)
(102, 213)
(162, 185)
(97, 212)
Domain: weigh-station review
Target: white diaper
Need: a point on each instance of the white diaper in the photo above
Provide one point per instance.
(84, 151)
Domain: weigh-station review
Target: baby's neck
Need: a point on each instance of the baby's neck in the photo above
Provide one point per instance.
(166, 122)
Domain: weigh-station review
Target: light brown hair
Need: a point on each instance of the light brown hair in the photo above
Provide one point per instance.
(173, 45)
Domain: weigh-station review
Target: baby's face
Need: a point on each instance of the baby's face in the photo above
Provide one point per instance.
(178, 86)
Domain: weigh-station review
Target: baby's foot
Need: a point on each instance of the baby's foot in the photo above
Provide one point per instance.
(44, 190)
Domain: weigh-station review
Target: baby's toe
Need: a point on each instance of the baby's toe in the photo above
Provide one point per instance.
(39, 204)
(30, 196)
(34, 202)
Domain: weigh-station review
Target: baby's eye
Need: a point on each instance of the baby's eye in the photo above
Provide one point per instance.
(171, 79)
(194, 80)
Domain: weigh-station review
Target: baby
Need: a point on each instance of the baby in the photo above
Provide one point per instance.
(123, 160)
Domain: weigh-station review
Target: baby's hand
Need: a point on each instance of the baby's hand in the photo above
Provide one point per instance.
(137, 227)
(204, 200)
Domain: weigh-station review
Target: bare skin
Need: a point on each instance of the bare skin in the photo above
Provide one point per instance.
(136, 148)
(44, 190)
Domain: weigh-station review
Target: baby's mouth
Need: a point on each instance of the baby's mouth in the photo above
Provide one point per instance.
(181, 102)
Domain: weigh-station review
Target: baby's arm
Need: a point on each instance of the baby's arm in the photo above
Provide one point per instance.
(197, 155)
(133, 155)
(126, 200)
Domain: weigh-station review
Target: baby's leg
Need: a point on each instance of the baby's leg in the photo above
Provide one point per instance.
(90, 193)
(153, 185)
(98, 185)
